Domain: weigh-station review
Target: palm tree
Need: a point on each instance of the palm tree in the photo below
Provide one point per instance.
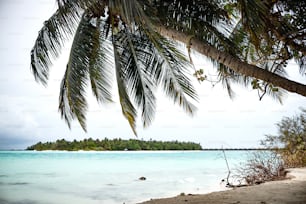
(249, 41)
(111, 33)
(251, 48)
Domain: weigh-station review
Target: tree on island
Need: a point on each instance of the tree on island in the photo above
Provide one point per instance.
(114, 145)
(249, 42)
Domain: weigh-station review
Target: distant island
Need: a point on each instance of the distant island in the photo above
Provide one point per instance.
(114, 145)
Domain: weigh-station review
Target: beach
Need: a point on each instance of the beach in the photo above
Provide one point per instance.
(288, 191)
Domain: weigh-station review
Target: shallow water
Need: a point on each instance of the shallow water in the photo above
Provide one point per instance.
(54, 177)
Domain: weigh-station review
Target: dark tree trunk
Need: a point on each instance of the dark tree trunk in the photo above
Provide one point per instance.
(233, 62)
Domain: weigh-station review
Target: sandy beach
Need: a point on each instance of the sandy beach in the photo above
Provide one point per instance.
(289, 191)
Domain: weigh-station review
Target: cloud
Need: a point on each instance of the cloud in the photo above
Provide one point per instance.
(10, 141)
(16, 121)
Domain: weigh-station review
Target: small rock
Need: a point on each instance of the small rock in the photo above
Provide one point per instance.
(142, 178)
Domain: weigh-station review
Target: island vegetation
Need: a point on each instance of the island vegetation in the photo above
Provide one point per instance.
(114, 145)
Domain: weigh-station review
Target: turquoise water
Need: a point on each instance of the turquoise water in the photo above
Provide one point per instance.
(109, 177)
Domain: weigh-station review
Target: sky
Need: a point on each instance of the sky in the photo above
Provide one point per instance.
(29, 111)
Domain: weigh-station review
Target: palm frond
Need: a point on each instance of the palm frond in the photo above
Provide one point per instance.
(131, 12)
(203, 19)
(99, 64)
(84, 47)
(171, 75)
(64, 102)
(274, 92)
(143, 60)
(253, 18)
(171, 67)
(137, 57)
(227, 76)
(127, 107)
(214, 37)
(277, 93)
(84, 4)
(302, 64)
(51, 39)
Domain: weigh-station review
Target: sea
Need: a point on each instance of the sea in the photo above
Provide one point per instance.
(89, 177)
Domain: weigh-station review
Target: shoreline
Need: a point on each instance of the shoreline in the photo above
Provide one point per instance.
(291, 190)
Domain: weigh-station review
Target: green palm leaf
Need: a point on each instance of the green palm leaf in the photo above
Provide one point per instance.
(136, 57)
(128, 109)
(81, 64)
(170, 66)
(202, 19)
(171, 75)
(100, 64)
(253, 18)
(64, 101)
(51, 38)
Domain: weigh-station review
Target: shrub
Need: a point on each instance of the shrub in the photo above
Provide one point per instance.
(260, 167)
(286, 149)
(290, 142)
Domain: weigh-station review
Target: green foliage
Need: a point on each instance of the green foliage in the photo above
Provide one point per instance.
(290, 142)
(266, 34)
(199, 74)
(114, 145)
(198, 18)
(107, 32)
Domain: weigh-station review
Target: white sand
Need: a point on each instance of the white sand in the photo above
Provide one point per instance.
(290, 191)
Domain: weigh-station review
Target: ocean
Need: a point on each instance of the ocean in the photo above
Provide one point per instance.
(60, 177)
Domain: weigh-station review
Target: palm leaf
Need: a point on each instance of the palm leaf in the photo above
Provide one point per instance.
(64, 102)
(202, 19)
(127, 107)
(171, 75)
(99, 65)
(302, 64)
(136, 56)
(253, 18)
(227, 76)
(83, 4)
(170, 66)
(51, 39)
(84, 47)
(276, 93)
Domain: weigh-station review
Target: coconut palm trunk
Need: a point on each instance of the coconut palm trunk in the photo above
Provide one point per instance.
(233, 62)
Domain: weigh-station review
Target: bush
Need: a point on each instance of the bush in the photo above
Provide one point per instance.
(290, 142)
(260, 167)
(286, 149)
